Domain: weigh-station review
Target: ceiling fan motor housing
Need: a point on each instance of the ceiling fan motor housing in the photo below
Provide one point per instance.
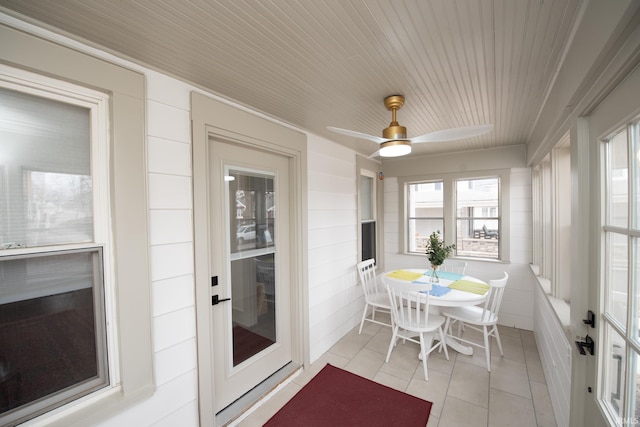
(395, 131)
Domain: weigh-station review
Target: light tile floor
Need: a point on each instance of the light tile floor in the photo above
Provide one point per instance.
(463, 393)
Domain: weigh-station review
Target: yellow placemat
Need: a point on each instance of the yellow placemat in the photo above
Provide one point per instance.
(409, 276)
(469, 286)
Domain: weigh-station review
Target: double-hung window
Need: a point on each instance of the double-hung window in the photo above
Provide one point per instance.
(368, 214)
(54, 245)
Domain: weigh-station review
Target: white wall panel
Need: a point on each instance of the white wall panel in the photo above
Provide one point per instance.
(171, 261)
(172, 328)
(174, 361)
(335, 298)
(169, 157)
(172, 294)
(554, 350)
(170, 226)
(168, 122)
(169, 191)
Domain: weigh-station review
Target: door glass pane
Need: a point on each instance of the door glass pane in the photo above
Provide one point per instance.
(252, 210)
(613, 390)
(618, 181)
(617, 277)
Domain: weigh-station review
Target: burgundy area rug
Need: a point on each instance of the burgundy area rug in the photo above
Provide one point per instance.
(335, 397)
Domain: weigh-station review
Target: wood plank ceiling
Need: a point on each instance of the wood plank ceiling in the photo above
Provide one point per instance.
(315, 63)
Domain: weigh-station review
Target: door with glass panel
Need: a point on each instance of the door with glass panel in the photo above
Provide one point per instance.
(249, 204)
(618, 363)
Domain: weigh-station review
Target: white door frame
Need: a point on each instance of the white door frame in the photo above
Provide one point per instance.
(213, 118)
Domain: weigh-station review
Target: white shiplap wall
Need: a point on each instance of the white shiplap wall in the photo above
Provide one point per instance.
(335, 298)
(171, 233)
(555, 354)
(517, 305)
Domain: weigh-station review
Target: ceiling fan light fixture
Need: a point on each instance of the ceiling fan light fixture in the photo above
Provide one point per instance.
(395, 148)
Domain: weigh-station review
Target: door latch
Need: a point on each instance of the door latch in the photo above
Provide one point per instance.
(590, 320)
(587, 344)
(215, 300)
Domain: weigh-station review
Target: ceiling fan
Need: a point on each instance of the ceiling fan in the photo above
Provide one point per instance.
(394, 141)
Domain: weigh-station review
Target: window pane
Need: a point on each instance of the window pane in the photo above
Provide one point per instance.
(425, 213)
(366, 198)
(614, 385)
(368, 240)
(419, 232)
(426, 200)
(617, 277)
(618, 181)
(52, 334)
(478, 218)
(46, 172)
(254, 208)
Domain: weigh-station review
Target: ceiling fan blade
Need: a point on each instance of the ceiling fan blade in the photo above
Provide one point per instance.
(376, 154)
(376, 139)
(452, 134)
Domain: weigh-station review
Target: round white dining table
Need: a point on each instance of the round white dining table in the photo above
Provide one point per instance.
(452, 298)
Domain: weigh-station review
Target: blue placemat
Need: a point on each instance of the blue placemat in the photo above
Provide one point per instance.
(446, 275)
(438, 291)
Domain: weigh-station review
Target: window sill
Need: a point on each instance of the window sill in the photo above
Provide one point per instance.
(561, 308)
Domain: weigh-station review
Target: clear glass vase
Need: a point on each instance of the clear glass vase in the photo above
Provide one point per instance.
(434, 274)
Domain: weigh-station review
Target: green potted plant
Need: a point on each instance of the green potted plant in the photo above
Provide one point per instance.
(437, 252)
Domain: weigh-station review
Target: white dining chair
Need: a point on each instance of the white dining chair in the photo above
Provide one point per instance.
(482, 318)
(454, 266)
(375, 294)
(412, 320)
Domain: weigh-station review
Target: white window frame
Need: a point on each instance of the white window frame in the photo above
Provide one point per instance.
(551, 182)
(449, 180)
(374, 210)
(97, 103)
(129, 217)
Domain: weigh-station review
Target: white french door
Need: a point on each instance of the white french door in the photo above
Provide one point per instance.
(249, 241)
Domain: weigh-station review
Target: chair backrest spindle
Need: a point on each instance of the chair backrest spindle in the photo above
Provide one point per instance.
(409, 301)
(494, 299)
(367, 273)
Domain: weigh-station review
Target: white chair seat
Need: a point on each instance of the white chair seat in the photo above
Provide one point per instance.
(381, 299)
(480, 318)
(433, 322)
(471, 314)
